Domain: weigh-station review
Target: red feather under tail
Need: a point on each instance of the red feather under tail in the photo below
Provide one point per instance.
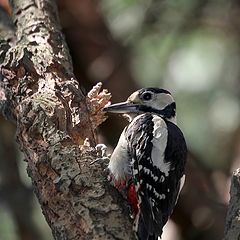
(132, 199)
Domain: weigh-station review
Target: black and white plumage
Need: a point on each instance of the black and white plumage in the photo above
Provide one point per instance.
(151, 153)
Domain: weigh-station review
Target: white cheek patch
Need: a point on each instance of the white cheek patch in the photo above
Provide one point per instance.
(161, 101)
(159, 141)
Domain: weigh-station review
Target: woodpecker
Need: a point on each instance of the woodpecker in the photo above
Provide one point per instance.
(149, 159)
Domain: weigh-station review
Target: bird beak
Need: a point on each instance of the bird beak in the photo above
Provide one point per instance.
(123, 107)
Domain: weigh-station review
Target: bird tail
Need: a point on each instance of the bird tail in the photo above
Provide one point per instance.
(144, 231)
(153, 237)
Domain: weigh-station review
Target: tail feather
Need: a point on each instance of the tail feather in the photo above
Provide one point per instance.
(154, 237)
(142, 230)
(148, 222)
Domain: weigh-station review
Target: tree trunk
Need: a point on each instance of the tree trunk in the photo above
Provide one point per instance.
(39, 92)
(232, 228)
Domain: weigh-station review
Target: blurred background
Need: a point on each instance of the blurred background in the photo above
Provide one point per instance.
(190, 47)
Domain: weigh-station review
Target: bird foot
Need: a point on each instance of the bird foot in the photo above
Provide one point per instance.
(101, 152)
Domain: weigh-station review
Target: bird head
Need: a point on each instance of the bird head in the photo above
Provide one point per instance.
(147, 100)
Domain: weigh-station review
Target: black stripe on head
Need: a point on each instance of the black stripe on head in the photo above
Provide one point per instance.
(154, 90)
(168, 112)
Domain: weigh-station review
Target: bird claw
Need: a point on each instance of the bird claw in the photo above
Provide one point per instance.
(101, 151)
(102, 159)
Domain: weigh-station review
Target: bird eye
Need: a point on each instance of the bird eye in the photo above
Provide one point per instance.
(146, 96)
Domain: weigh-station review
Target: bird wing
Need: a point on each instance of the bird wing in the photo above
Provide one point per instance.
(158, 152)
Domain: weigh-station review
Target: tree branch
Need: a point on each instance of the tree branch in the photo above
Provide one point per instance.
(53, 119)
(232, 228)
(12, 189)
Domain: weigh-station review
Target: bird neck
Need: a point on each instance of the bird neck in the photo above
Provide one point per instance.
(172, 119)
(130, 116)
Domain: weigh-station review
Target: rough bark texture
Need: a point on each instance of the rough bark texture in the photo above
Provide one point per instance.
(232, 229)
(39, 92)
(12, 189)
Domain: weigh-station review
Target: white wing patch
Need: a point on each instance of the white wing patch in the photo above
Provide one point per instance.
(182, 181)
(159, 141)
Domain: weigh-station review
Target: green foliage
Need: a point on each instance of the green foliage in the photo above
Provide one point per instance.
(7, 226)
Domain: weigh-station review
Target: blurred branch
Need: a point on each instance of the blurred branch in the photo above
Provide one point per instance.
(96, 54)
(188, 17)
(232, 228)
(53, 121)
(6, 26)
(7, 39)
(199, 212)
(12, 191)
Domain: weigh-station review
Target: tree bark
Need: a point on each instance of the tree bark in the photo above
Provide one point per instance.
(39, 92)
(232, 228)
(12, 190)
